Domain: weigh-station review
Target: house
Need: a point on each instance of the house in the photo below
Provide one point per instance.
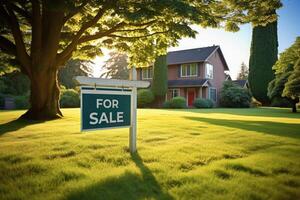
(243, 83)
(193, 73)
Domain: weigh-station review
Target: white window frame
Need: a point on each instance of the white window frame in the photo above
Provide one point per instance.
(149, 75)
(186, 70)
(209, 96)
(208, 76)
(172, 92)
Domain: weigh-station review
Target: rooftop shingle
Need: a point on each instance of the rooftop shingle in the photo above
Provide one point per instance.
(190, 55)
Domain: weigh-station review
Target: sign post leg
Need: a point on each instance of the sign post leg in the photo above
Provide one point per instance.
(132, 129)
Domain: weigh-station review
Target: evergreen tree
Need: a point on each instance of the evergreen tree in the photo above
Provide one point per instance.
(244, 72)
(116, 66)
(160, 79)
(73, 68)
(263, 55)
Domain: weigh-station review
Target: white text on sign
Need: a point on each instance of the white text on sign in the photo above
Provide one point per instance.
(106, 117)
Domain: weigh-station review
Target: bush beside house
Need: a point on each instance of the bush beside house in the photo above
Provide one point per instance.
(176, 102)
(233, 96)
(144, 98)
(203, 103)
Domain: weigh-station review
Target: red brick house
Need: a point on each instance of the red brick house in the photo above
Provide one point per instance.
(193, 73)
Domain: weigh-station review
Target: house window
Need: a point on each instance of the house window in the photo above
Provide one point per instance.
(188, 70)
(212, 95)
(209, 69)
(147, 73)
(175, 92)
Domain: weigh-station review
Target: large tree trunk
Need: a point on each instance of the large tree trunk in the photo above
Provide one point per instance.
(44, 96)
(158, 102)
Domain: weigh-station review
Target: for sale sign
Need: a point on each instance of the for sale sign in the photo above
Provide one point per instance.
(105, 108)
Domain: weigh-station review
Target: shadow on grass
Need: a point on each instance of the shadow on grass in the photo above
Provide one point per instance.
(16, 125)
(272, 128)
(127, 186)
(259, 112)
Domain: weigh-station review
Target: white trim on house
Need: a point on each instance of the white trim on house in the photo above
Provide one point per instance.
(200, 92)
(209, 97)
(206, 83)
(189, 64)
(206, 60)
(172, 92)
(149, 75)
(205, 69)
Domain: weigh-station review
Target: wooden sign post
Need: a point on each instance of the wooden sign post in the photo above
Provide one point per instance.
(133, 126)
(110, 103)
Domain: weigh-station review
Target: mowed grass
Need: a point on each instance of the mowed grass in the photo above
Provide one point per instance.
(182, 154)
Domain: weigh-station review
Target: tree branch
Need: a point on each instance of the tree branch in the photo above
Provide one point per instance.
(75, 11)
(100, 34)
(115, 29)
(69, 49)
(21, 53)
(36, 39)
(137, 37)
(22, 12)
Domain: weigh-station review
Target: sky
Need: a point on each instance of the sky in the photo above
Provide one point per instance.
(235, 46)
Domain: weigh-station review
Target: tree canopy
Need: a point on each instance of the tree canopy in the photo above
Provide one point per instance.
(286, 81)
(42, 35)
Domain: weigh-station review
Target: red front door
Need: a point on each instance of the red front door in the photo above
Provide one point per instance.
(191, 97)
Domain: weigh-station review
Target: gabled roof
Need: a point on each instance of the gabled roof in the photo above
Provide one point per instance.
(227, 77)
(188, 82)
(194, 55)
(242, 83)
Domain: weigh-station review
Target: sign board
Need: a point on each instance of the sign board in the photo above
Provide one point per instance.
(105, 108)
(113, 105)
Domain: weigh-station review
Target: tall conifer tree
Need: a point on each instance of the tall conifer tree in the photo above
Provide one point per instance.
(160, 79)
(263, 55)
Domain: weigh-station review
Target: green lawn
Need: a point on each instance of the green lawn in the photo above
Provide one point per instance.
(182, 154)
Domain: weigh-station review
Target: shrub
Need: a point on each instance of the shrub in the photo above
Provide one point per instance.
(177, 102)
(21, 102)
(144, 98)
(281, 102)
(2, 99)
(234, 96)
(203, 103)
(69, 98)
(166, 104)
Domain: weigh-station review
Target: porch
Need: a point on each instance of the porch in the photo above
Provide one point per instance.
(189, 93)
(189, 89)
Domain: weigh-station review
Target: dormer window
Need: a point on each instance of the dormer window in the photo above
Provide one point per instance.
(189, 70)
(209, 71)
(147, 73)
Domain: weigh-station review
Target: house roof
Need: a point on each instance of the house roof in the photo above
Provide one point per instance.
(188, 82)
(241, 83)
(194, 55)
(227, 77)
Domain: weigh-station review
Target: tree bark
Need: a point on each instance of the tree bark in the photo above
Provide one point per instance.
(158, 102)
(44, 97)
(294, 107)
